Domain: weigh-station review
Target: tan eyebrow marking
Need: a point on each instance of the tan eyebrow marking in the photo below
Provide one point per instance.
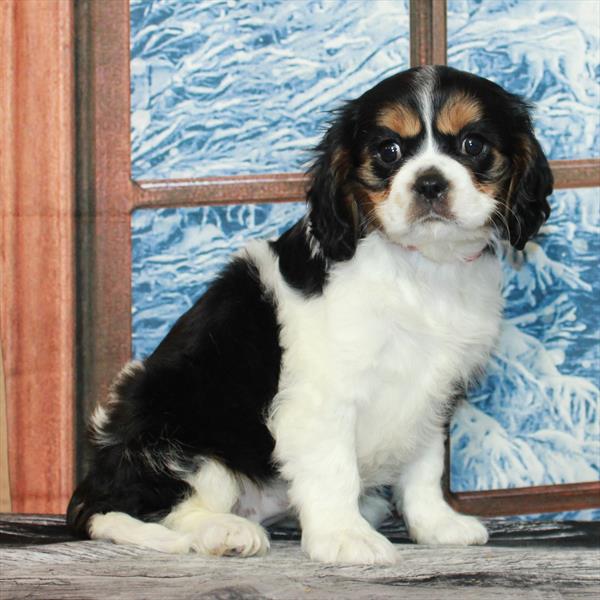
(401, 119)
(458, 111)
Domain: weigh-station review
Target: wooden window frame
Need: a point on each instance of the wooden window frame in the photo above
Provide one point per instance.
(107, 196)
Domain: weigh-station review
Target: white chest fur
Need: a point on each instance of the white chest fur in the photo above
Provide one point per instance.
(386, 344)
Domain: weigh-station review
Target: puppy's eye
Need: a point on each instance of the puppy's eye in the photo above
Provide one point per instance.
(389, 152)
(473, 145)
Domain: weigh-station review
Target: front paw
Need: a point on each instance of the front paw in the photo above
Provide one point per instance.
(444, 526)
(360, 545)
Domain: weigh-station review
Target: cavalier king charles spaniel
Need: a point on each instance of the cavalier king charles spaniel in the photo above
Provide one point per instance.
(325, 364)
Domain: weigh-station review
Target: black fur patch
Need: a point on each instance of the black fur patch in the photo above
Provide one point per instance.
(300, 269)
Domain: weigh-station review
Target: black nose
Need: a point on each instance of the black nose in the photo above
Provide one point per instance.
(431, 185)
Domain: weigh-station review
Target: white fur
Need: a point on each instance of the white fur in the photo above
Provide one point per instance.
(101, 415)
(439, 241)
(202, 523)
(419, 497)
(368, 370)
(207, 519)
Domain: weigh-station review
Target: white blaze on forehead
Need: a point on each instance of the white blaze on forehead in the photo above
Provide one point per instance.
(425, 79)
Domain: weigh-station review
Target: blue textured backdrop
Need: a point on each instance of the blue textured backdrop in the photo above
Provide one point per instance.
(237, 87)
(545, 50)
(226, 87)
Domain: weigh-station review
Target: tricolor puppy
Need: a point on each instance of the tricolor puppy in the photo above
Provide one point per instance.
(325, 364)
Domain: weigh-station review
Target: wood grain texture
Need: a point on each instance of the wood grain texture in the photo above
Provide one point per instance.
(535, 499)
(576, 173)
(428, 32)
(104, 201)
(37, 248)
(287, 187)
(5, 501)
(94, 569)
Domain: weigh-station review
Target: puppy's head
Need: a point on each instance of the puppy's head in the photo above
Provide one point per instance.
(434, 158)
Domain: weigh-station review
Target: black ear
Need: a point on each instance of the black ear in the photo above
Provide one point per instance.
(530, 185)
(332, 209)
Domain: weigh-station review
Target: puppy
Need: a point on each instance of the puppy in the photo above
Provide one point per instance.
(324, 364)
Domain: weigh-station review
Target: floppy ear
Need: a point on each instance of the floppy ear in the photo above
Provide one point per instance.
(332, 208)
(529, 187)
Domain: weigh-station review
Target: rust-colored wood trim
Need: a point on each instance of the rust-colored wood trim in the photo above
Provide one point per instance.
(280, 187)
(576, 173)
(104, 201)
(520, 501)
(428, 32)
(536, 499)
(37, 249)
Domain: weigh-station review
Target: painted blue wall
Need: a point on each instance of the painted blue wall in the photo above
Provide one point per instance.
(223, 88)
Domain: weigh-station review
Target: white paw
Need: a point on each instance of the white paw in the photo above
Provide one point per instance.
(122, 528)
(446, 527)
(362, 546)
(229, 535)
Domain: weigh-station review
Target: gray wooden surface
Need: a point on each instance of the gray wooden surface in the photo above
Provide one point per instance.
(91, 569)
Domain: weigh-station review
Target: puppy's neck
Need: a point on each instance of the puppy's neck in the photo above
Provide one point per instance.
(450, 252)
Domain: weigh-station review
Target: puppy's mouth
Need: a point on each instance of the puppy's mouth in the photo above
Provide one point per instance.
(436, 213)
(434, 217)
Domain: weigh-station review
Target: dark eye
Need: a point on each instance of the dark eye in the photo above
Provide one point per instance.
(389, 152)
(473, 145)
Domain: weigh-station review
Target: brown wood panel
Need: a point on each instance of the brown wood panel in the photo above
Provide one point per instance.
(576, 173)
(104, 199)
(427, 32)
(280, 187)
(5, 501)
(536, 499)
(37, 243)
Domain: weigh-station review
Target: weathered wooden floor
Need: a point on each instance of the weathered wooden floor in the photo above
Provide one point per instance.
(541, 561)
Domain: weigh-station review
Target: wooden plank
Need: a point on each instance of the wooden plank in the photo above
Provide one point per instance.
(104, 193)
(428, 32)
(90, 568)
(280, 187)
(576, 173)
(5, 501)
(535, 499)
(37, 249)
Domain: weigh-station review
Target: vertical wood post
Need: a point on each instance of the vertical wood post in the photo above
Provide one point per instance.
(37, 249)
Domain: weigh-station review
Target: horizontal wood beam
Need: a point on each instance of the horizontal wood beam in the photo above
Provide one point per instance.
(576, 173)
(282, 187)
(529, 500)
(245, 188)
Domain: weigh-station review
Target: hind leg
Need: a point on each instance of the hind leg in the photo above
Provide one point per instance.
(205, 517)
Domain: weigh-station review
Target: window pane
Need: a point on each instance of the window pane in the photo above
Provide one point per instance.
(177, 252)
(547, 51)
(536, 418)
(235, 87)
